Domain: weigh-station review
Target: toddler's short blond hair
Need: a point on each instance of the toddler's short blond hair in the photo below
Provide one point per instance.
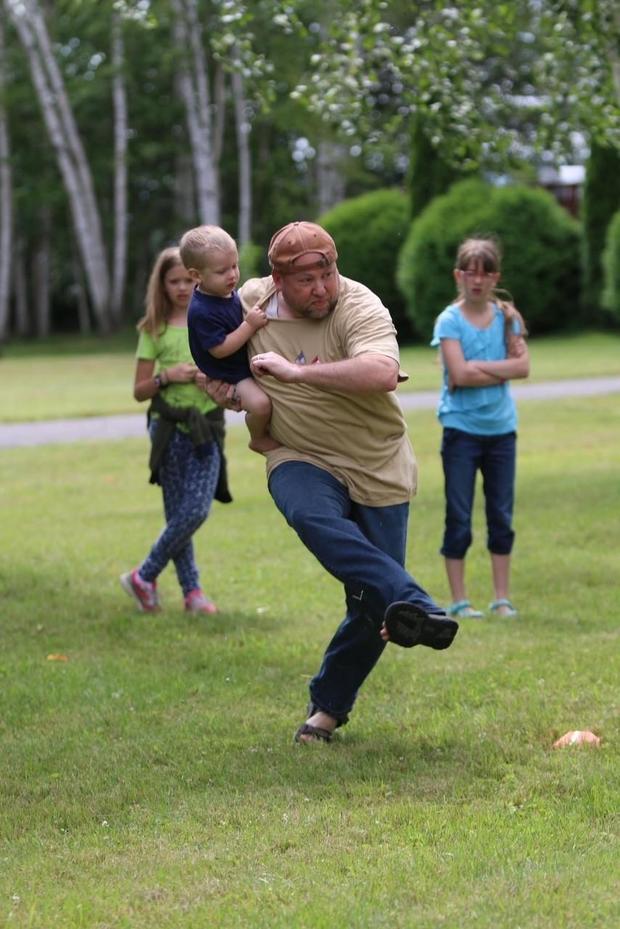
(197, 245)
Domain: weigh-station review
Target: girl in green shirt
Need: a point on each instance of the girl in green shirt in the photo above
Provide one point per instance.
(187, 471)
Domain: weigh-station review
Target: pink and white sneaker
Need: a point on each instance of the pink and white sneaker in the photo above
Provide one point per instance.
(143, 592)
(196, 602)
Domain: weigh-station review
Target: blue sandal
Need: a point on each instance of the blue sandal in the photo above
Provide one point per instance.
(463, 609)
(496, 606)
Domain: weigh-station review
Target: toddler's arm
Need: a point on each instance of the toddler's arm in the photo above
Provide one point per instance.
(255, 319)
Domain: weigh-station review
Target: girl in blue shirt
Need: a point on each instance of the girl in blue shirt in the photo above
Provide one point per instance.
(482, 344)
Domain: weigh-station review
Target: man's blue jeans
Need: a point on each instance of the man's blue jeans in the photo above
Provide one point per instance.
(364, 548)
(463, 454)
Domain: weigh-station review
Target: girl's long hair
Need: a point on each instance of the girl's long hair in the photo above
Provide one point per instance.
(156, 303)
(486, 252)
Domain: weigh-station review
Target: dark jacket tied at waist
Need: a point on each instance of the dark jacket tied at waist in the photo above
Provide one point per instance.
(204, 428)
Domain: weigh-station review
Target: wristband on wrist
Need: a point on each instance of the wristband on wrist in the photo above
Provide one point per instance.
(158, 381)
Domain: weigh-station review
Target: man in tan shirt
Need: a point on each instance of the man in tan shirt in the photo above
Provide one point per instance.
(344, 471)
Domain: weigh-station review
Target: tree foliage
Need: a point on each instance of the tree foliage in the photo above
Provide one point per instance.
(430, 172)
(489, 78)
(601, 199)
(310, 102)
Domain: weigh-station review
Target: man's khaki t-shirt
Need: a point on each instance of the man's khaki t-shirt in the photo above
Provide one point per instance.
(359, 438)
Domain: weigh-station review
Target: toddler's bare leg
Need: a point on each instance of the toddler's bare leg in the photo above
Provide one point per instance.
(257, 405)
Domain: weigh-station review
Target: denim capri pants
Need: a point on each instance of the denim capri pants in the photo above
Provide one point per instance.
(463, 455)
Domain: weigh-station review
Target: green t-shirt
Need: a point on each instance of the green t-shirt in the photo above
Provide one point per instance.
(170, 348)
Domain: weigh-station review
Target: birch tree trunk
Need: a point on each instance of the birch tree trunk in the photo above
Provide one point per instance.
(184, 189)
(329, 175)
(219, 112)
(80, 295)
(329, 179)
(6, 204)
(73, 164)
(20, 289)
(121, 218)
(41, 266)
(193, 84)
(244, 159)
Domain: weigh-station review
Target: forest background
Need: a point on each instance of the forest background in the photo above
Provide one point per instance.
(124, 123)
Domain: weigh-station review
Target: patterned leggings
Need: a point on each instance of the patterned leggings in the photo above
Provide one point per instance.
(188, 481)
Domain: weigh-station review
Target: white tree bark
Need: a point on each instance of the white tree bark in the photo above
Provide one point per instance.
(193, 84)
(20, 289)
(6, 205)
(330, 177)
(41, 266)
(73, 164)
(219, 112)
(244, 158)
(80, 296)
(184, 188)
(121, 217)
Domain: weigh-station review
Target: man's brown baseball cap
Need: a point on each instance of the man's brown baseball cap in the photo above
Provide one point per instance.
(295, 240)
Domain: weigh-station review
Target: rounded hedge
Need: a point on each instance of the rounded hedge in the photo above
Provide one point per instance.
(540, 243)
(611, 268)
(601, 199)
(369, 232)
(250, 258)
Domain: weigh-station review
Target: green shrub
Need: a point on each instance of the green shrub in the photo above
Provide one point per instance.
(424, 271)
(611, 268)
(369, 232)
(539, 239)
(601, 199)
(250, 256)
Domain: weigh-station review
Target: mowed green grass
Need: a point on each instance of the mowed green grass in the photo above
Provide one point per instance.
(71, 377)
(151, 779)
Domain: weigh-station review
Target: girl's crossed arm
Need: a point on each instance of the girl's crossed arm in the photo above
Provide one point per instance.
(511, 368)
(462, 373)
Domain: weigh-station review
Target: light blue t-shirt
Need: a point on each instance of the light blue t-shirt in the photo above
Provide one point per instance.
(478, 410)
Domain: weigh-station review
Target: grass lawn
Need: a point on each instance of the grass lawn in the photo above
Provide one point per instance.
(151, 781)
(71, 377)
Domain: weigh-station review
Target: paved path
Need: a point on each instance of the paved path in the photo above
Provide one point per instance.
(132, 425)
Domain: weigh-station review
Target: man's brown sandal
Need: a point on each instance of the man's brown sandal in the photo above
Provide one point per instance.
(316, 734)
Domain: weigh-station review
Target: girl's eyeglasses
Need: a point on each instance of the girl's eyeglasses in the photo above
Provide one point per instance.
(470, 275)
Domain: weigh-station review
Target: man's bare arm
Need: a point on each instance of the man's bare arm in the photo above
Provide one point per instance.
(367, 373)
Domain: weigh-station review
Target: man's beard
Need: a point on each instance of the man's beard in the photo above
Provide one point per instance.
(308, 311)
(312, 312)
